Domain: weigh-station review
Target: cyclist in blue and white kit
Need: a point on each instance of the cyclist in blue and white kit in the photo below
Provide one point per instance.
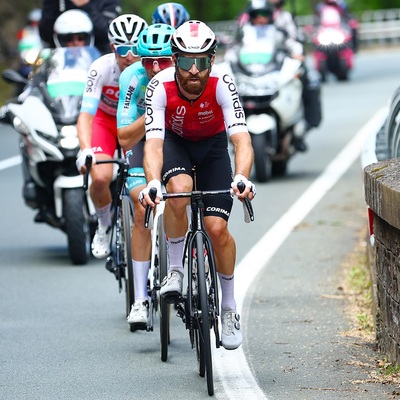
(155, 52)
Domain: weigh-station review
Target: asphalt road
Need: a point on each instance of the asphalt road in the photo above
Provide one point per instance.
(62, 328)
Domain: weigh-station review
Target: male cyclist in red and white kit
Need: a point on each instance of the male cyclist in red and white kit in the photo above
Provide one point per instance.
(191, 110)
(97, 127)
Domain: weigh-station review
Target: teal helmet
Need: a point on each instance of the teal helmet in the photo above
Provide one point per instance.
(154, 41)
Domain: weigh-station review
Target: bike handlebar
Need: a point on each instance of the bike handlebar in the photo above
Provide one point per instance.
(122, 163)
(247, 207)
(88, 165)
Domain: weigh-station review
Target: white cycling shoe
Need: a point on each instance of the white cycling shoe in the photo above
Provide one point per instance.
(231, 337)
(101, 242)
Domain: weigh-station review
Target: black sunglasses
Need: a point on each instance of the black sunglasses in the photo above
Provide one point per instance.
(186, 63)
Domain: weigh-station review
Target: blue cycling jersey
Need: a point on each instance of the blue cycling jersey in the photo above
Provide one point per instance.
(132, 87)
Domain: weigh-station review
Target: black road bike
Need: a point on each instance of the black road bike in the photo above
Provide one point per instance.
(119, 261)
(199, 306)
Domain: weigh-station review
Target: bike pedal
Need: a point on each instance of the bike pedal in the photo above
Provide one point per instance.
(171, 298)
(138, 327)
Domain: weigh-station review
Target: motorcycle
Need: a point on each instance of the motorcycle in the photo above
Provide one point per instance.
(333, 45)
(45, 117)
(270, 89)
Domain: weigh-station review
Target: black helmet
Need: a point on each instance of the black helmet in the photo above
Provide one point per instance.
(266, 11)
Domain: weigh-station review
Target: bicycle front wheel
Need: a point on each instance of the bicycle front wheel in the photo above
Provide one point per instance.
(203, 321)
(127, 222)
(164, 306)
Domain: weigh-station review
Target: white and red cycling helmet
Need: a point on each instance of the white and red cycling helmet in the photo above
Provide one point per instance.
(194, 37)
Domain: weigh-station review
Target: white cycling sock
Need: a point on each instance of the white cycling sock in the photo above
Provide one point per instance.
(227, 291)
(141, 273)
(104, 216)
(175, 248)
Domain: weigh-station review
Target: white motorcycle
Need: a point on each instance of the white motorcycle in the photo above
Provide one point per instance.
(45, 117)
(271, 94)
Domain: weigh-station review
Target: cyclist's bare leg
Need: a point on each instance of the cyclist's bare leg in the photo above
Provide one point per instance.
(175, 217)
(141, 237)
(101, 178)
(225, 256)
(141, 253)
(223, 244)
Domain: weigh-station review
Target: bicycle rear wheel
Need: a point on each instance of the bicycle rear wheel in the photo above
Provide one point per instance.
(203, 322)
(127, 221)
(164, 306)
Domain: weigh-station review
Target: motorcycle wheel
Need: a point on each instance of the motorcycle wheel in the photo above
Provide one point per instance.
(77, 226)
(343, 71)
(279, 167)
(323, 70)
(262, 160)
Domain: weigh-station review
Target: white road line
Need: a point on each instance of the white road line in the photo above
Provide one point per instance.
(10, 162)
(232, 371)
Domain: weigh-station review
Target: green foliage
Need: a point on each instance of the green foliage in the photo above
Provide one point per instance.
(204, 10)
(387, 368)
(226, 10)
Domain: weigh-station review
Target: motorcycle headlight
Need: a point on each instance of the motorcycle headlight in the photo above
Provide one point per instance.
(69, 137)
(19, 126)
(331, 37)
(31, 56)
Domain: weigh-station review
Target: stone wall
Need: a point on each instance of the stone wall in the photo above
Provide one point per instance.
(382, 194)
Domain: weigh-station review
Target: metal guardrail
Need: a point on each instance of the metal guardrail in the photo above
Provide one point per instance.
(379, 27)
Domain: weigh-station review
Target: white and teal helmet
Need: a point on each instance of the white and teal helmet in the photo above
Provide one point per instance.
(154, 41)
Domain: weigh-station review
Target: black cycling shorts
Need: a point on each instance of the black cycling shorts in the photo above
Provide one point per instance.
(210, 157)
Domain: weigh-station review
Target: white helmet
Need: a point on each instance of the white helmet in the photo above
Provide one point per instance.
(194, 37)
(72, 22)
(125, 29)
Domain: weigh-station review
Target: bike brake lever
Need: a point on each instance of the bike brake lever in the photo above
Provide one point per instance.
(88, 165)
(247, 207)
(152, 194)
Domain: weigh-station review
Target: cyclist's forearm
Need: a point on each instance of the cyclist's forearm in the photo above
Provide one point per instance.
(153, 159)
(243, 153)
(132, 134)
(84, 127)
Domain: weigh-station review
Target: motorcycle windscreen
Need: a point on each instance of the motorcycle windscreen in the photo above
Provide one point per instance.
(67, 79)
(257, 55)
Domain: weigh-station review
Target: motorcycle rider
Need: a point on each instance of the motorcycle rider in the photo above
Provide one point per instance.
(101, 13)
(156, 55)
(261, 22)
(343, 10)
(72, 28)
(97, 128)
(284, 19)
(311, 83)
(173, 14)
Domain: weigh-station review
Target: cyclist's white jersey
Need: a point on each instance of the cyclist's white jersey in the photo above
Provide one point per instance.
(216, 110)
(132, 88)
(102, 88)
